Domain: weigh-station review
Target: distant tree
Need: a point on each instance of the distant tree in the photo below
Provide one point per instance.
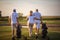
(20, 16)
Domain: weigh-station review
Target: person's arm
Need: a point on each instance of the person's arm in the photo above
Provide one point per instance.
(27, 18)
(41, 19)
(17, 17)
(17, 20)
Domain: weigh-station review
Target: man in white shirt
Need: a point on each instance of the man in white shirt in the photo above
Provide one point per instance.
(38, 20)
(13, 19)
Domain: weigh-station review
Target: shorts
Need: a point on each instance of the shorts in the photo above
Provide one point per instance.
(37, 22)
(31, 25)
(13, 26)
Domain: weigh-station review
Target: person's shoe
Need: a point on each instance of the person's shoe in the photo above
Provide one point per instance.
(36, 33)
(18, 37)
(13, 38)
(25, 38)
(36, 36)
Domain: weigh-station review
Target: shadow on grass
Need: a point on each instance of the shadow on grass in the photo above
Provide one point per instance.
(51, 35)
(54, 35)
(5, 34)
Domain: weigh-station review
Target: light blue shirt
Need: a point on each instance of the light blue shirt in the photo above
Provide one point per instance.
(14, 16)
(37, 15)
(31, 19)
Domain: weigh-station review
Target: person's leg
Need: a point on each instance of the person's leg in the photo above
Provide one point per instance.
(37, 28)
(13, 30)
(30, 29)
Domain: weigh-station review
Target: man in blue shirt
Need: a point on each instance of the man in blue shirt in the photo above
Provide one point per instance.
(38, 20)
(14, 22)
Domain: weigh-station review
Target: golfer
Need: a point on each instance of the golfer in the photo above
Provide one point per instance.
(30, 19)
(38, 20)
(14, 22)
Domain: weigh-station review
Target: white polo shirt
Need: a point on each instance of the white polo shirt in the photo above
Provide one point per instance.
(13, 17)
(31, 19)
(37, 15)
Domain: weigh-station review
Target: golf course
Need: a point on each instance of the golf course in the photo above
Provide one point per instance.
(52, 24)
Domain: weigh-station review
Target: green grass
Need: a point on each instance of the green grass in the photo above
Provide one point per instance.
(5, 33)
(47, 21)
(23, 20)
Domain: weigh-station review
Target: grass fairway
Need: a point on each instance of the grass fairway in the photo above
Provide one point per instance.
(5, 33)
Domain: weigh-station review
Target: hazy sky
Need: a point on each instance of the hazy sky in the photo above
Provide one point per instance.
(46, 7)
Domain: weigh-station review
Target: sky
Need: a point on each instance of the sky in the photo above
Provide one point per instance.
(45, 7)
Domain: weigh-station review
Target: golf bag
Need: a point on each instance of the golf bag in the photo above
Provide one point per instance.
(44, 30)
(18, 31)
